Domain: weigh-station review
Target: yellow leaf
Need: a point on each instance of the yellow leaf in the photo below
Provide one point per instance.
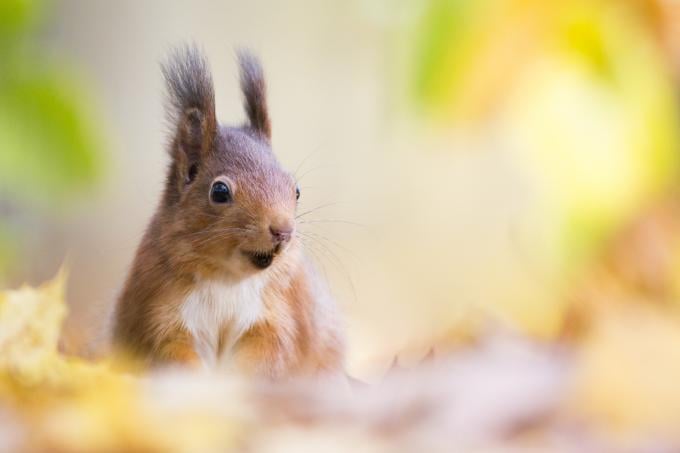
(30, 324)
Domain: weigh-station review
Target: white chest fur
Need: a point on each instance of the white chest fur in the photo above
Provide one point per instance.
(217, 314)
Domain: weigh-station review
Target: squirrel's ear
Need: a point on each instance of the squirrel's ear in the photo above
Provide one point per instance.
(191, 106)
(254, 94)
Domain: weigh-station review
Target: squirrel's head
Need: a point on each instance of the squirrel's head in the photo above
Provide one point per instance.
(228, 204)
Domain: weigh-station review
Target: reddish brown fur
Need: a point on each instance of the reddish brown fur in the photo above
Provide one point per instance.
(190, 239)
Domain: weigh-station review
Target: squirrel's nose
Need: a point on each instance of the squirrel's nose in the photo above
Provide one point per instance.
(281, 233)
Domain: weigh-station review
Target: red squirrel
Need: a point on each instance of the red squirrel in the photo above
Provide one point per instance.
(220, 278)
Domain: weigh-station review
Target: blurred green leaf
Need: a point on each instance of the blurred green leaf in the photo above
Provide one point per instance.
(49, 147)
(18, 15)
(442, 48)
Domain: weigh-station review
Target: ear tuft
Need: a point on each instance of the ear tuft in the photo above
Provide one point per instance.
(191, 100)
(254, 93)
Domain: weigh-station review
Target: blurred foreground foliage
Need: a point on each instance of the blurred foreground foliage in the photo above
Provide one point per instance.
(608, 385)
(50, 402)
(50, 147)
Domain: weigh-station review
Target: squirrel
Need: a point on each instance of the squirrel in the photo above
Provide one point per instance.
(220, 279)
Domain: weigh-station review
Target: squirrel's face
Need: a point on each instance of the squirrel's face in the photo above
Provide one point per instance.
(228, 203)
(237, 208)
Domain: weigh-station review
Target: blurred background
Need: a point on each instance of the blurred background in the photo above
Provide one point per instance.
(467, 161)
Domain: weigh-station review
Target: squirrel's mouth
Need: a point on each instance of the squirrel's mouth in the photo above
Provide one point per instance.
(262, 259)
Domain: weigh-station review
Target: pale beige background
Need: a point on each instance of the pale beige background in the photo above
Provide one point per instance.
(437, 211)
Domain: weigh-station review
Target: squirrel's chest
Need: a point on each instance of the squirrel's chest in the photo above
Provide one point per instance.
(216, 314)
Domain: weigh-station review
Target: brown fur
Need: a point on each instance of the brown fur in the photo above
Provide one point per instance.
(190, 239)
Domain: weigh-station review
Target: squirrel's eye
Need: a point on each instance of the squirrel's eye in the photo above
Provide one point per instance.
(220, 193)
(297, 193)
